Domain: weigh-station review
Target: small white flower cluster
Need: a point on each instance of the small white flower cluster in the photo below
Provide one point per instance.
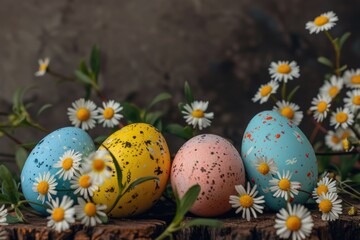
(84, 114)
(85, 176)
(293, 221)
(281, 71)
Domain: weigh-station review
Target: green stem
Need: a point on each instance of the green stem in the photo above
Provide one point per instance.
(34, 203)
(14, 139)
(168, 232)
(337, 53)
(355, 131)
(274, 98)
(300, 190)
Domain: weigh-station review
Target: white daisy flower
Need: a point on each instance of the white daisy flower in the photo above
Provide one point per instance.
(89, 212)
(83, 184)
(289, 110)
(324, 22)
(247, 201)
(69, 163)
(352, 78)
(330, 206)
(82, 114)
(110, 114)
(334, 139)
(265, 91)
(45, 185)
(353, 100)
(195, 115)
(3, 214)
(265, 166)
(332, 88)
(295, 223)
(61, 214)
(284, 71)
(321, 105)
(95, 165)
(283, 187)
(342, 117)
(43, 67)
(325, 185)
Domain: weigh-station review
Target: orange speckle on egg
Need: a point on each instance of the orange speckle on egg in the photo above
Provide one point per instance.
(268, 118)
(277, 135)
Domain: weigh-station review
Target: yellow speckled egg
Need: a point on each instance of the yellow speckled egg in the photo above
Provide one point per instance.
(141, 151)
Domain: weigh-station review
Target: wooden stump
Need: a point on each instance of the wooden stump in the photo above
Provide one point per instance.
(152, 224)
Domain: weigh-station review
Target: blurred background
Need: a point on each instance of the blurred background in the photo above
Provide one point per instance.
(222, 48)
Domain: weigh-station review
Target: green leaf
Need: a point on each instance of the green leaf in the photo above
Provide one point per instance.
(159, 98)
(19, 215)
(343, 68)
(292, 93)
(131, 112)
(85, 79)
(205, 222)
(8, 184)
(159, 125)
(83, 68)
(188, 93)
(181, 106)
(139, 181)
(356, 178)
(103, 219)
(100, 139)
(346, 165)
(20, 157)
(152, 117)
(12, 220)
(180, 131)
(325, 61)
(343, 38)
(95, 61)
(4, 199)
(43, 108)
(188, 200)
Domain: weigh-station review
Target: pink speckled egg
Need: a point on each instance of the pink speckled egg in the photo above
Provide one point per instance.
(213, 163)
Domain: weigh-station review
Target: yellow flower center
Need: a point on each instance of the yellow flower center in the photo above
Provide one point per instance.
(287, 112)
(67, 163)
(321, 189)
(341, 117)
(293, 223)
(355, 79)
(58, 214)
(345, 135)
(284, 68)
(333, 91)
(90, 209)
(321, 20)
(43, 67)
(108, 113)
(265, 90)
(43, 187)
(322, 106)
(335, 139)
(325, 206)
(263, 168)
(284, 184)
(83, 114)
(345, 144)
(246, 201)
(197, 113)
(356, 100)
(84, 181)
(98, 165)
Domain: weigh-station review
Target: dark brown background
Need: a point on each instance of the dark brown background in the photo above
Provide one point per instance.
(223, 48)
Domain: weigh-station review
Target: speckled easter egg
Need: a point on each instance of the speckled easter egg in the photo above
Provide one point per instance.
(213, 163)
(45, 154)
(141, 151)
(273, 137)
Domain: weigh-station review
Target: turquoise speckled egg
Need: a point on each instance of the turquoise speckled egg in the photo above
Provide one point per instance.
(45, 154)
(272, 136)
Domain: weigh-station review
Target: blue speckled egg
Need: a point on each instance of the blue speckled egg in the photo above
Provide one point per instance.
(46, 153)
(274, 138)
